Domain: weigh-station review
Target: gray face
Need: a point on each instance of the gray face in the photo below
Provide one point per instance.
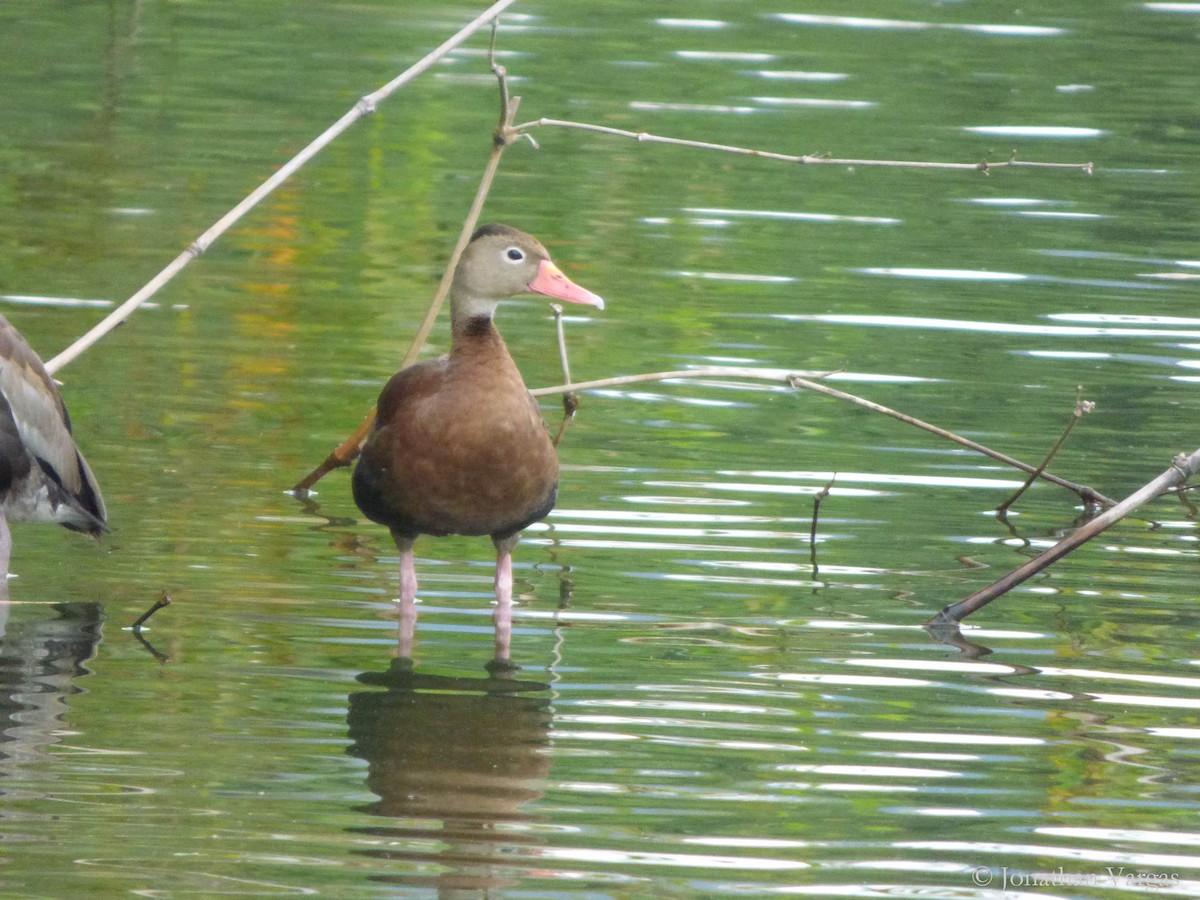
(498, 263)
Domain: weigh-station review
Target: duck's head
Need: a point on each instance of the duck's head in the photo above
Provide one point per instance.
(501, 261)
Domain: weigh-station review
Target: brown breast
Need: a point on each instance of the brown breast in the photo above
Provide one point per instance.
(458, 447)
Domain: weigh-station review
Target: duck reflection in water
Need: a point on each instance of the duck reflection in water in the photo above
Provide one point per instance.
(453, 760)
(41, 659)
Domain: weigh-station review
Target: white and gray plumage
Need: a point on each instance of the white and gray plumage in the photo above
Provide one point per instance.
(43, 476)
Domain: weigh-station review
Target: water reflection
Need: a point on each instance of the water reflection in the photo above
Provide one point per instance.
(453, 760)
(40, 659)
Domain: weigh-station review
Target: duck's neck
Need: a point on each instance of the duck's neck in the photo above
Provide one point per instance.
(471, 320)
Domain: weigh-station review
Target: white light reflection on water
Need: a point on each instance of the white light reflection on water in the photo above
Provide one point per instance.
(756, 843)
(851, 680)
(1011, 201)
(914, 25)
(949, 481)
(1187, 734)
(653, 106)
(1120, 257)
(687, 860)
(987, 327)
(949, 274)
(1178, 838)
(644, 516)
(724, 56)
(675, 546)
(936, 665)
(1057, 214)
(1065, 354)
(747, 533)
(1160, 861)
(737, 276)
(791, 215)
(691, 23)
(984, 275)
(775, 75)
(1128, 700)
(35, 300)
(1036, 131)
(748, 488)
(1029, 694)
(872, 771)
(1096, 674)
(978, 740)
(815, 102)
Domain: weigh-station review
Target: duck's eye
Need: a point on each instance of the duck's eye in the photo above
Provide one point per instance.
(514, 254)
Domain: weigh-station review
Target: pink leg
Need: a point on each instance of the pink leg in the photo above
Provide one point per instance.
(408, 625)
(408, 568)
(408, 596)
(502, 617)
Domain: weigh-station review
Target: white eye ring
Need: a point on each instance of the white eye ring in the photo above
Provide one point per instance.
(514, 254)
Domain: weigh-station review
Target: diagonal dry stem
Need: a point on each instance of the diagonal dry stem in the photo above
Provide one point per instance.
(1082, 408)
(345, 452)
(364, 107)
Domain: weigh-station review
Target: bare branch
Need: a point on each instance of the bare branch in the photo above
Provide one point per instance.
(811, 159)
(789, 376)
(1182, 468)
(1082, 408)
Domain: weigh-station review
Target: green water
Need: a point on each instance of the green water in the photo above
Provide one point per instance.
(699, 711)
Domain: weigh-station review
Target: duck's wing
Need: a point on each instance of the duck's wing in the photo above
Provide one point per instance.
(41, 421)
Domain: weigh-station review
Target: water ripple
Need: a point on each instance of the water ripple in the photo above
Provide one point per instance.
(988, 327)
(914, 25)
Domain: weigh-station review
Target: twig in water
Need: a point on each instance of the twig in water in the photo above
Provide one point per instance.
(150, 648)
(812, 534)
(1182, 493)
(345, 452)
(570, 399)
(1182, 468)
(162, 601)
(364, 107)
(1082, 408)
(810, 159)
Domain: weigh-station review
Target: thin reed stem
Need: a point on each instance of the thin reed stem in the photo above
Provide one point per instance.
(345, 453)
(810, 159)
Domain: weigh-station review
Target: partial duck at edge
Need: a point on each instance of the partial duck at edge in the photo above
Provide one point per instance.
(43, 476)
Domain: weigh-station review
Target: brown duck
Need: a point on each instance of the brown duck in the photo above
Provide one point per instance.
(458, 445)
(43, 476)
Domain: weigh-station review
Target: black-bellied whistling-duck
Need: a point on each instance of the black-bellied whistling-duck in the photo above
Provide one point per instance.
(43, 476)
(458, 445)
